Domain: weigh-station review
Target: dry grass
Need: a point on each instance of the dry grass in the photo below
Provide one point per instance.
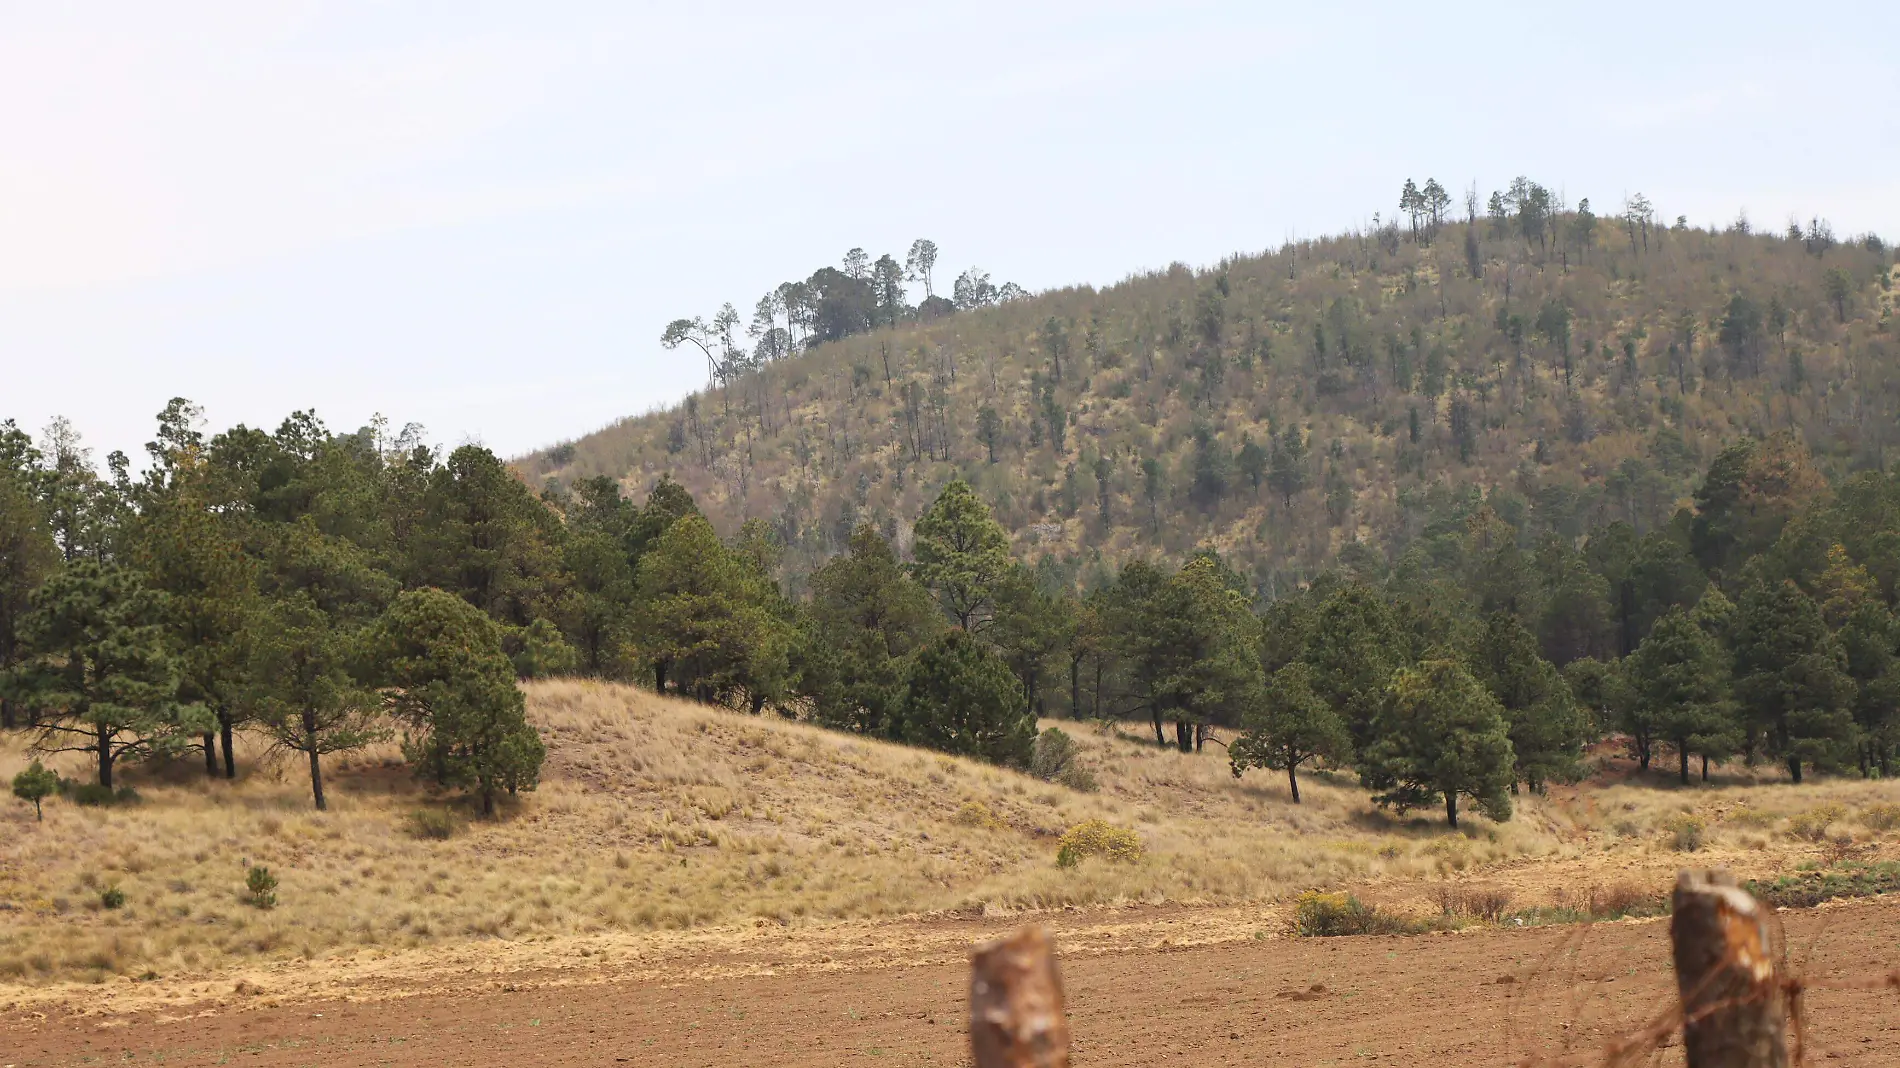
(657, 814)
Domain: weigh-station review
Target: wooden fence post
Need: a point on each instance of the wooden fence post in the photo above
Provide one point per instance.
(1016, 1013)
(1734, 1007)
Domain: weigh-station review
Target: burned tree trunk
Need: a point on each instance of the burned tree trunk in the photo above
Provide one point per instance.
(1016, 1013)
(1734, 1005)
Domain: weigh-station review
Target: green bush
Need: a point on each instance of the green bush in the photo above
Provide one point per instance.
(90, 793)
(34, 785)
(260, 888)
(436, 823)
(1318, 915)
(1053, 752)
(1097, 838)
(111, 898)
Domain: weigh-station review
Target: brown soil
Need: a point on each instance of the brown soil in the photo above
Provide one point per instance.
(1181, 986)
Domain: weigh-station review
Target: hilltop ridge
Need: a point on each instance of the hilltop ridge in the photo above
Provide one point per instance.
(1283, 406)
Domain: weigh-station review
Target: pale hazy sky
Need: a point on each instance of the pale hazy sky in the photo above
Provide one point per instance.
(479, 216)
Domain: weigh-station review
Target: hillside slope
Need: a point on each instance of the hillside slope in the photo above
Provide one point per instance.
(1282, 405)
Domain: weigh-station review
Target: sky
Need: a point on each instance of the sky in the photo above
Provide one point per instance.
(480, 216)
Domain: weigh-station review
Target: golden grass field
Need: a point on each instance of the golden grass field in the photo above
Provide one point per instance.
(658, 818)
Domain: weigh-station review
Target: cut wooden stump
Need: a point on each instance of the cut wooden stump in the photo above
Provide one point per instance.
(1734, 1003)
(1016, 1012)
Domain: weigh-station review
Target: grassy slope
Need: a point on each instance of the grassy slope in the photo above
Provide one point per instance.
(659, 814)
(796, 443)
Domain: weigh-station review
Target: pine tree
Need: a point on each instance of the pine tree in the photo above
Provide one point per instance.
(98, 674)
(1679, 679)
(1354, 645)
(445, 677)
(1439, 736)
(1791, 677)
(961, 698)
(1290, 726)
(1545, 726)
(708, 619)
(867, 617)
(302, 688)
(27, 556)
(35, 784)
(962, 555)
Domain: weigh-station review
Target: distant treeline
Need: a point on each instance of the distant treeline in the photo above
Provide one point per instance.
(329, 589)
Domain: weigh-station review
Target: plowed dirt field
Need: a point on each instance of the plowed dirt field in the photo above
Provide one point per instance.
(1144, 989)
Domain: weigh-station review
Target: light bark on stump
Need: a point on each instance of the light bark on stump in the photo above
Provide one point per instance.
(1734, 1004)
(1016, 1011)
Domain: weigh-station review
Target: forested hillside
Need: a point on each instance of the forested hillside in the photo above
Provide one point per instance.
(1575, 368)
(1443, 504)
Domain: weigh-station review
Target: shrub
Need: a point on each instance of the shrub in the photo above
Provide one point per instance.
(1687, 833)
(976, 814)
(1812, 825)
(1053, 752)
(439, 824)
(1318, 915)
(260, 888)
(1618, 900)
(111, 898)
(34, 785)
(1750, 817)
(1880, 817)
(91, 793)
(1489, 904)
(1097, 838)
(1078, 778)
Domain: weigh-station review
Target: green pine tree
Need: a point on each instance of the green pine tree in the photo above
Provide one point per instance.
(1790, 677)
(445, 677)
(1680, 680)
(961, 698)
(866, 619)
(302, 688)
(1546, 728)
(35, 784)
(962, 555)
(1290, 726)
(99, 674)
(1440, 736)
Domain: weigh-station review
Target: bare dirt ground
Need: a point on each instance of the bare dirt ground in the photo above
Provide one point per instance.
(1146, 986)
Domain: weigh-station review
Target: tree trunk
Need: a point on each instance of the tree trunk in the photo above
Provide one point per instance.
(1734, 1006)
(1293, 780)
(1161, 738)
(105, 758)
(211, 754)
(1183, 736)
(1016, 1012)
(6, 715)
(1705, 767)
(316, 767)
(225, 730)
(1682, 754)
(1794, 769)
(1451, 808)
(659, 676)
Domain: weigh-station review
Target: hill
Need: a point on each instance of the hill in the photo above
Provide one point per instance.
(659, 815)
(1577, 368)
